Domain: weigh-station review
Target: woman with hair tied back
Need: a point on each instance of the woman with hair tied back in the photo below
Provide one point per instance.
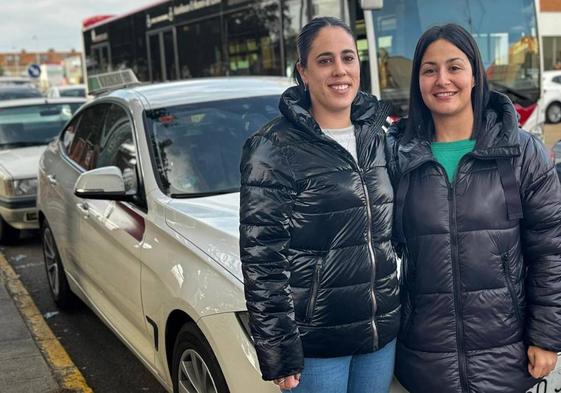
(478, 223)
(315, 228)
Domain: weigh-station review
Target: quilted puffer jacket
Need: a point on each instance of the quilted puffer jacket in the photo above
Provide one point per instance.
(315, 239)
(482, 277)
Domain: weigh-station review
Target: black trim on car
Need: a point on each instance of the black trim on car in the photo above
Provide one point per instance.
(155, 327)
(18, 203)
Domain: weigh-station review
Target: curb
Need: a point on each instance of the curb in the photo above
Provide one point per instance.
(69, 378)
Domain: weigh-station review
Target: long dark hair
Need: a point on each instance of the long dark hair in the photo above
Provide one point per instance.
(306, 38)
(420, 122)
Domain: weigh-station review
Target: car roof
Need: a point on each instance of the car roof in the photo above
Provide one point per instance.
(552, 73)
(204, 90)
(17, 87)
(41, 100)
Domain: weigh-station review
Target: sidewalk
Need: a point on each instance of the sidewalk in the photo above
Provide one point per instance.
(32, 360)
(22, 366)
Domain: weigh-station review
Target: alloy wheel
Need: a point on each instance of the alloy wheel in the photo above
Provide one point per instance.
(553, 113)
(194, 375)
(51, 261)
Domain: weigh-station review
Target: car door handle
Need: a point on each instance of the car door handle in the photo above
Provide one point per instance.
(51, 179)
(84, 208)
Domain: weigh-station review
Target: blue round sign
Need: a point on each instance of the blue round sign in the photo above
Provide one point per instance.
(34, 71)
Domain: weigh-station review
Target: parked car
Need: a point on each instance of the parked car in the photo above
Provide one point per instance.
(552, 96)
(16, 80)
(67, 91)
(138, 204)
(14, 92)
(26, 127)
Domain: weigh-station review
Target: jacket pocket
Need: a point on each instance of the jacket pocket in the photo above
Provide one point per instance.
(314, 291)
(505, 259)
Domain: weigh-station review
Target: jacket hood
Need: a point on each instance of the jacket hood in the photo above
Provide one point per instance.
(499, 137)
(294, 105)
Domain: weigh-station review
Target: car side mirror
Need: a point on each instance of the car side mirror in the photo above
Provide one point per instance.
(102, 183)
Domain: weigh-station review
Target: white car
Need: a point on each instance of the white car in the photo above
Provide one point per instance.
(67, 91)
(138, 204)
(552, 96)
(26, 127)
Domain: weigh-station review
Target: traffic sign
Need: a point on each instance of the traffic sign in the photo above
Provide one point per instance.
(34, 71)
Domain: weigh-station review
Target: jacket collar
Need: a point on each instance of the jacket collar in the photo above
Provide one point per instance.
(294, 105)
(498, 139)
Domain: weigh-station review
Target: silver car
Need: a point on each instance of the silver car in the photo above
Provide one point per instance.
(26, 127)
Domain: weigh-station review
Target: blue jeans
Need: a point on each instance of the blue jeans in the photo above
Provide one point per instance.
(367, 373)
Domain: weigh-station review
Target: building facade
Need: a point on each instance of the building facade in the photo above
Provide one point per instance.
(551, 33)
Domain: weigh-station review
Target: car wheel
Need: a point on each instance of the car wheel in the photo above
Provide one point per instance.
(195, 368)
(64, 298)
(553, 112)
(8, 234)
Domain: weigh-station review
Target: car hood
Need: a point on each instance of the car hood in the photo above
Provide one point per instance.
(21, 163)
(212, 225)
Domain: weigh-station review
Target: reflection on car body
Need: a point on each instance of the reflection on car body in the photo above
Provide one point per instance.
(138, 202)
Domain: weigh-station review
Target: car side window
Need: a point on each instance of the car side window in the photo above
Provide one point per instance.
(117, 146)
(85, 144)
(557, 79)
(69, 133)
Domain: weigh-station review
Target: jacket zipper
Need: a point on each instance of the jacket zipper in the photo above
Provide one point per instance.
(315, 289)
(506, 270)
(462, 364)
(372, 258)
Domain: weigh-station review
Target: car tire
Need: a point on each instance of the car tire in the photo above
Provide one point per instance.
(553, 113)
(8, 234)
(195, 367)
(61, 293)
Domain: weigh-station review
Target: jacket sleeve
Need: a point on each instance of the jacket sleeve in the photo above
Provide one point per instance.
(541, 237)
(266, 200)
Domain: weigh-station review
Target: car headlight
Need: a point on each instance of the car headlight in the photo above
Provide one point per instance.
(21, 187)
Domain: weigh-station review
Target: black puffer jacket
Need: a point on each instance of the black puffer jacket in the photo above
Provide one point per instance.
(315, 286)
(479, 287)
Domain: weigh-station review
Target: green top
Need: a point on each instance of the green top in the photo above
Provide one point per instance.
(449, 154)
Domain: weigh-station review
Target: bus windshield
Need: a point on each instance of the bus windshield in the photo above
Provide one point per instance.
(505, 31)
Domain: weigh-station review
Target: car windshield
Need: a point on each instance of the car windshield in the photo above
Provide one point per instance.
(197, 147)
(33, 124)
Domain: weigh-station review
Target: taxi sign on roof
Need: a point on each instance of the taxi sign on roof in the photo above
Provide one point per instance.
(111, 81)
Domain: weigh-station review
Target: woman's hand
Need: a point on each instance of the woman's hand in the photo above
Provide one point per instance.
(288, 383)
(540, 362)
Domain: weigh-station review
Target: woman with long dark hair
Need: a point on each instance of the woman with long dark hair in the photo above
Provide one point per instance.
(315, 228)
(478, 221)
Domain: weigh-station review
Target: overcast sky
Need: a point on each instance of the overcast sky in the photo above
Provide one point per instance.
(44, 24)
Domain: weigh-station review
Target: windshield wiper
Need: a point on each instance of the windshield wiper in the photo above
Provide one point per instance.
(22, 144)
(508, 89)
(204, 194)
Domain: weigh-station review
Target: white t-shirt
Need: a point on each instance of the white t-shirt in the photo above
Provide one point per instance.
(345, 137)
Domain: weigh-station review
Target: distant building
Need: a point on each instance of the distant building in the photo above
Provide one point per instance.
(16, 63)
(551, 33)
